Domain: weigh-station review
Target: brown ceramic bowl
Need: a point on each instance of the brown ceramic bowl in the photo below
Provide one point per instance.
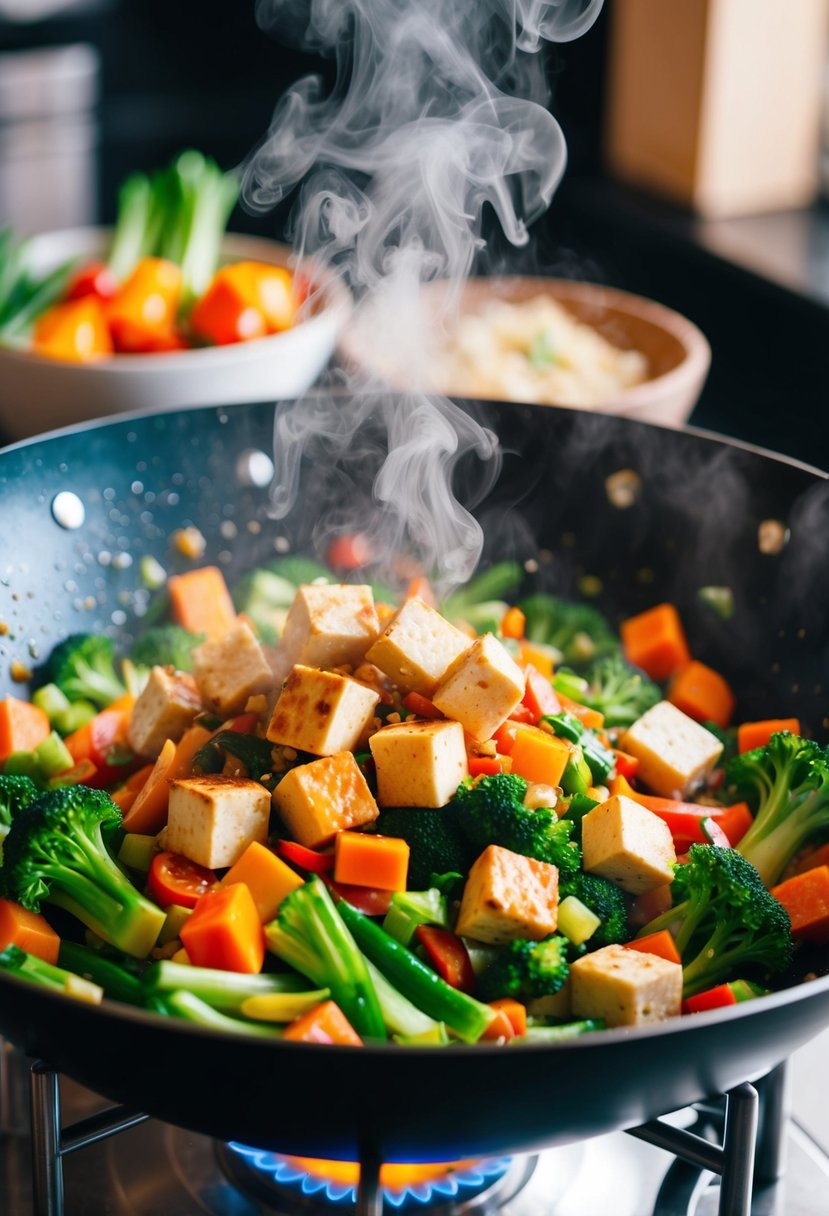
(677, 353)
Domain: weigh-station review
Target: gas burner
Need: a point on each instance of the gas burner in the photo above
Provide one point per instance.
(295, 1186)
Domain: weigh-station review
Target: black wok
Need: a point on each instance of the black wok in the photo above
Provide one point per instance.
(694, 522)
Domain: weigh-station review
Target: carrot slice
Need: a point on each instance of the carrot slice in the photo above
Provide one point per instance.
(591, 718)
(28, 931)
(325, 1023)
(513, 624)
(129, 791)
(655, 641)
(22, 726)
(540, 697)
(515, 1011)
(702, 693)
(224, 931)
(266, 876)
(148, 812)
(371, 861)
(201, 602)
(75, 332)
(488, 766)
(757, 734)
(806, 899)
(661, 943)
(538, 756)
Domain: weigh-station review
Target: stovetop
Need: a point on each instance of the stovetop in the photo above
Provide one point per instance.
(154, 1169)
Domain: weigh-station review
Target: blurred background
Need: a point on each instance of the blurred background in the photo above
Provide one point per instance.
(695, 136)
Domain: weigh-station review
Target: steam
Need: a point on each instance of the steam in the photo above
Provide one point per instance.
(438, 113)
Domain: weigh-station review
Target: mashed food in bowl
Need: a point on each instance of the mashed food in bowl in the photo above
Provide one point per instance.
(534, 350)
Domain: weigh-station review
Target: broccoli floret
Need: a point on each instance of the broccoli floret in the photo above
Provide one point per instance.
(725, 921)
(83, 667)
(436, 843)
(577, 631)
(603, 898)
(166, 646)
(786, 782)
(310, 935)
(526, 970)
(15, 793)
(492, 811)
(619, 691)
(265, 597)
(55, 853)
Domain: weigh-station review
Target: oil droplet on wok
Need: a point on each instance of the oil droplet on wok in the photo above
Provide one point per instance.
(623, 488)
(67, 510)
(772, 536)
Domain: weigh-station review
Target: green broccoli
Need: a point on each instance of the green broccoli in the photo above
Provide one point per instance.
(83, 667)
(310, 935)
(577, 631)
(619, 691)
(55, 853)
(526, 970)
(605, 900)
(492, 811)
(15, 793)
(436, 843)
(786, 782)
(166, 645)
(725, 922)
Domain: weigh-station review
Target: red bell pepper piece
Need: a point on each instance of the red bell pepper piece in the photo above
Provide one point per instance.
(685, 818)
(448, 956)
(540, 697)
(103, 741)
(243, 724)
(420, 706)
(370, 900)
(94, 279)
(625, 765)
(713, 998)
(713, 830)
(485, 766)
(304, 858)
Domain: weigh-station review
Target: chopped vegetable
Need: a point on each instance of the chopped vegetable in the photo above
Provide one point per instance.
(492, 811)
(655, 641)
(526, 970)
(224, 931)
(83, 668)
(201, 603)
(22, 726)
(702, 693)
(618, 690)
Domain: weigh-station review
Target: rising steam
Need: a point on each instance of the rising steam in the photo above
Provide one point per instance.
(438, 110)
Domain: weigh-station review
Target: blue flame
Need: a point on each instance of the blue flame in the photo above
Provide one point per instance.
(454, 1185)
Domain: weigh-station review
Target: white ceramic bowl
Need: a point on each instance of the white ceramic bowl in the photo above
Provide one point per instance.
(39, 394)
(677, 353)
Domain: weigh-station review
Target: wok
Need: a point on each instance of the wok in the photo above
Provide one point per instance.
(691, 520)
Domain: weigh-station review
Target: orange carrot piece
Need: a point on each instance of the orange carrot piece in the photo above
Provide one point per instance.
(655, 641)
(75, 332)
(591, 718)
(421, 706)
(266, 876)
(538, 756)
(702, 693)
(144, 309)
(148, 813)
(515, 1011)
(757, 734)
(539, 658)
(325, 1023)
(371, 861)
(201, 602)
(224, 931)
(488, 766)
(499, 1029)
(22, 726)
(806, 899)
(126, 795)
(661, 943)
(420, 587)
(513, 624)
(28, 931)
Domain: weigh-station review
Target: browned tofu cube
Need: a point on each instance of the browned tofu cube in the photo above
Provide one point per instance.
(213, 819)
(508, 896)
(232, 670)
(166, 706)
(481, 688)
(327, 796)
(321, 712)
(417, 646)
(625, 987)
(419, 763)
(330, 625)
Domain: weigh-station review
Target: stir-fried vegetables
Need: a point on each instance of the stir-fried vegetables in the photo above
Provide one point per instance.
(464, 840)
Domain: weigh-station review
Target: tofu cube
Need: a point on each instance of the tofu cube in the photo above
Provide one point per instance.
(419, 763)
(164, 709)
(213, 819)
(231, 670)
(330, 625)
(321, 712)
(417, 646)
(327, 796)
(625, 842)
(481, 688)
(508, 896)
(675, 753)
(625, 987)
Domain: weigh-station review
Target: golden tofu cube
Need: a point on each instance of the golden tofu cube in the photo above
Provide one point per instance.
(419, 763)
(625, 987)
(675, 753)
(231, 670)
(481, 688)
(508, 896)
(327, 796)
(213, 819)
(329, 625)
(321, 712)
(625, 842)
(417, 646)
(165, 707)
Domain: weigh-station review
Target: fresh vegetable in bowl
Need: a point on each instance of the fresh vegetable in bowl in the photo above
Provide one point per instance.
(333, 819)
